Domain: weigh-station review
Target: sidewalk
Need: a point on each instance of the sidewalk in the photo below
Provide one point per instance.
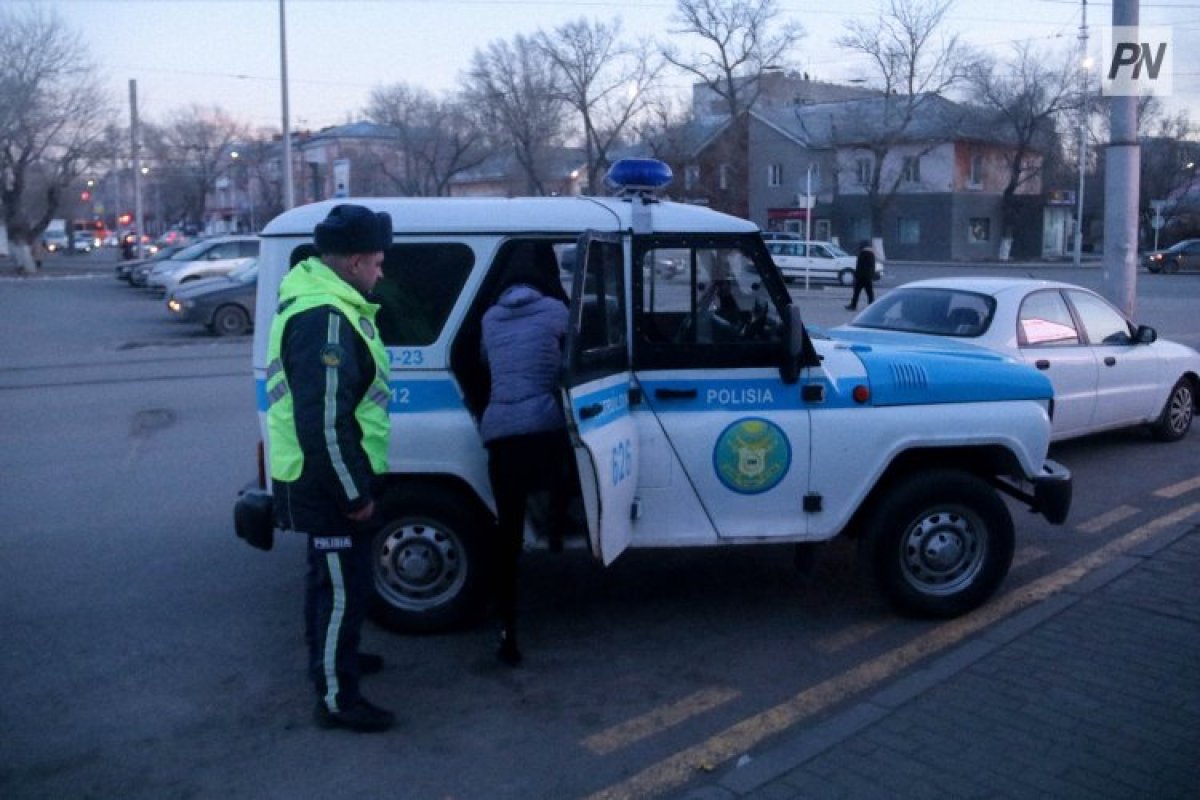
(1092, 692)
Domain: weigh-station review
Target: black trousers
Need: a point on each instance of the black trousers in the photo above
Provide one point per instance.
(861, 285)
(517, 467)
(335, 603)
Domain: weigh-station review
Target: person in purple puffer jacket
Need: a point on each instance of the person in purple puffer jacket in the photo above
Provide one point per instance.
(523, 425)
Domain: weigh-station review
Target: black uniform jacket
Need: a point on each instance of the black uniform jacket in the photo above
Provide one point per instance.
(329, 370)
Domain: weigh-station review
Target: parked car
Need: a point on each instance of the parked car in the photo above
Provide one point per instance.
(225, 305)
(207, 259)
(816, 261)
(1179, 256)
(1107, 371)
(125, 269)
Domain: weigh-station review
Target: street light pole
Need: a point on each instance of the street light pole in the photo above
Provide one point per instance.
(288, 192)
(1083, 128)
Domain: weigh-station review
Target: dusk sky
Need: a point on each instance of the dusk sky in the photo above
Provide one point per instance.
(226, 52)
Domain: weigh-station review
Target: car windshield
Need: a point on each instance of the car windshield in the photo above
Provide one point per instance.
(247, 273)
(837, 251)
(191, 253)
(943, 312)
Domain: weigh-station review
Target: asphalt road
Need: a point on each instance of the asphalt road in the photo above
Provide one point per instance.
(148, 653)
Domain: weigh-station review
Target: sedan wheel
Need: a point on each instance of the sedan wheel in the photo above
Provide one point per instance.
(230, 321)
(1176, 418)
(846, 277)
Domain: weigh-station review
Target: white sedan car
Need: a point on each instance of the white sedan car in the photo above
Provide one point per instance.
(1107, 372)
(799, 260)
(208, 258)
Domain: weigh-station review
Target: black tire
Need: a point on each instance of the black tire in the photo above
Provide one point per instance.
(1176, 418)
(230, 321)
(938, 544)
(846, 277)
(429, 561)
(1171, 266)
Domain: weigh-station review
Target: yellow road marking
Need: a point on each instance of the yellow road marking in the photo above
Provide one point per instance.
(1107, 519)
(619, 736)
(1174, 490)
(679, 768)
(1027, 555)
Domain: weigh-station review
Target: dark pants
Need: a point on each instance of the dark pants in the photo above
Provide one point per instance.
(336, 596)
(861, 285)
(517, 467)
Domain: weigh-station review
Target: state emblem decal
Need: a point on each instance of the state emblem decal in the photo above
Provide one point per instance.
(752, 456)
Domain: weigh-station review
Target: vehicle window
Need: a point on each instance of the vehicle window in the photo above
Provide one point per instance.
(192, 252)
(837, 251)
(420, 285)
(713, 311)
(1102, 323)
(1045, 321)
(247, 249)
(819, 251)
(944, 312)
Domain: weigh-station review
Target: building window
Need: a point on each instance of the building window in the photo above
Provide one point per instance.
(980, 230)
(908, 230)
(912, 169)
(775, 175)
(691, 176)
(723, 176)
(975, 177)
(862, 167)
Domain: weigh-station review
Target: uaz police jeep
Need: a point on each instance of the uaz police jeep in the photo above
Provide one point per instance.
(701, 411)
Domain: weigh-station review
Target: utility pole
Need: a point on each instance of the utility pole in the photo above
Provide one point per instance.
(1122, 186)
(1083, 134)
(134, 135)
(289, 195)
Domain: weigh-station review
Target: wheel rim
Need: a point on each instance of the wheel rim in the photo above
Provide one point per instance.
(846, 278)
(419, 566)
(943, 552)
(1180, 409)
(229, 322)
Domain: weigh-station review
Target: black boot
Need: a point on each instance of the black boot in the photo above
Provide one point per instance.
(360, 716)
(507, 652)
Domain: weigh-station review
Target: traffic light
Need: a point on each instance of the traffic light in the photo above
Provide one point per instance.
(85, 195)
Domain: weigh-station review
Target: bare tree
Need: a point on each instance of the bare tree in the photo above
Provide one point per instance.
(438, 139)
(1027, 95)
(741, 38)
(52, 120)
(606, 81)
(192, 151)
(913, 63)
(517, 92)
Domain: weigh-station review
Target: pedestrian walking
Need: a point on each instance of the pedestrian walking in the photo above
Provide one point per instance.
(864, 275)
(328, 417)
(523, 425)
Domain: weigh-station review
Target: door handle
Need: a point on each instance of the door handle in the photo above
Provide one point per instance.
(1042, 363)
(1109, 361)
(676, 394)
(587, 412)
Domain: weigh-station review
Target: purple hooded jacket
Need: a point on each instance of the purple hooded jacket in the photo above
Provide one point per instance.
(523, 338)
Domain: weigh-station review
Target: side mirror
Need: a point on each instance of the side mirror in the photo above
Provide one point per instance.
(1145, 335)
(793, 343)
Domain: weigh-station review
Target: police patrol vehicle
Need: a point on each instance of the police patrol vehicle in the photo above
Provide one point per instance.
(702, 411)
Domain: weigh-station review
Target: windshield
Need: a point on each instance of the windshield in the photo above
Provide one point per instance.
(837, 251)
(943, 312)
(245, 273)
(190, 253)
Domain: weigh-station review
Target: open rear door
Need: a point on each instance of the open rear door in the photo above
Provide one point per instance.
(597, 386)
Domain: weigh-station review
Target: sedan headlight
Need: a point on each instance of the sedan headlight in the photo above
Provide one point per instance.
(179, 306)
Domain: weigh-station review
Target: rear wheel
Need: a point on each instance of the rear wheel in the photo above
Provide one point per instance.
(1176, 418)
(231, 321)
(939, 544)
(429, 562)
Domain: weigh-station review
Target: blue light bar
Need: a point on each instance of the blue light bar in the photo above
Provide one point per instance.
(632, 175)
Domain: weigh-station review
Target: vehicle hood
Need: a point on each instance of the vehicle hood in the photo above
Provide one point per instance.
(910, 369)
(209, 286)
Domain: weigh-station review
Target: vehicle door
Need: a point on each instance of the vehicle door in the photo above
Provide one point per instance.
(597, 387)
(1128, 373)
(707, 355)
(789, 257)
(1050, 340)
(823, 263)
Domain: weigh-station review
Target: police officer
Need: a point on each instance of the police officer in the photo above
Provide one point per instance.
(327, 414)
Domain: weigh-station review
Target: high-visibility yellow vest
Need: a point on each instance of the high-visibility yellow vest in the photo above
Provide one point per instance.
(308, 285)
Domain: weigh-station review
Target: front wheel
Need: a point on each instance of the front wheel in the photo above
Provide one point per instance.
(846, 277)
(1171, 266)
(939, 544)
(428, 561)
(1176, 417)
(230, 321)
